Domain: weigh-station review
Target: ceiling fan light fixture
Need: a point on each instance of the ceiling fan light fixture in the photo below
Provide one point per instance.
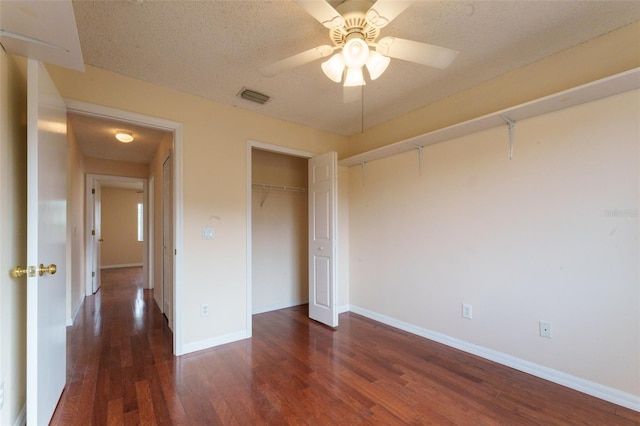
(354, 77)
(334, 67)
(124, 136)
(377, 64)
(355, 52)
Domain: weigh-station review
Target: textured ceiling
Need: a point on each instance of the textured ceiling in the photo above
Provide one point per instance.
(214, 49)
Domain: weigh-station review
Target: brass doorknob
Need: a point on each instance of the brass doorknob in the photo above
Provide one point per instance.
(51, 269)
(18, 271)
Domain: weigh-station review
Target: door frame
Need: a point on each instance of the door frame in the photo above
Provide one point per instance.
(178, 208)
(163, 274)
(92, 180)
(149, 229)
(251, 144)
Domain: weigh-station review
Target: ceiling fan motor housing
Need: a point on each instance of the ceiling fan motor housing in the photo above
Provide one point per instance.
(356, 25)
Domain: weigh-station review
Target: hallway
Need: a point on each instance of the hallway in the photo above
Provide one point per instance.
(293, 371)
(119, 346)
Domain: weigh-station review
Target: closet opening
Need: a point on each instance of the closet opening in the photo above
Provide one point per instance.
(279, 231)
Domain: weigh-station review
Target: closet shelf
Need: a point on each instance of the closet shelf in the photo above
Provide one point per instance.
(599, 89)
(278, 187)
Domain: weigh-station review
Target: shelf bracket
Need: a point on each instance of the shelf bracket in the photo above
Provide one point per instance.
(420, 149)
(512, 127)
(264, 197)
(364, 171)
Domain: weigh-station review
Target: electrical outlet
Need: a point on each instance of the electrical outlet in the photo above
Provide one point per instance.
(467, 310)
(545, 329)
(204, 310)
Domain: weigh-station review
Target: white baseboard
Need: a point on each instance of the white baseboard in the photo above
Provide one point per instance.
(22, 417)
(123, 265)
(343, 308)
(278, 306)
(74, 314)
(215, 341)
(597, 390)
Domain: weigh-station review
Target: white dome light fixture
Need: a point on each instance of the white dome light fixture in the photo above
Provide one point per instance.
(334, 67)
(124, 136)
(377, 64)
(355, 52)
(354, 77)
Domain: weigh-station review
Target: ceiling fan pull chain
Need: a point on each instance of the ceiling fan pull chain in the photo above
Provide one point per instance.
(362, 108)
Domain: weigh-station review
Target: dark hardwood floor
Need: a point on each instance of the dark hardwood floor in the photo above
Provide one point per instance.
(293, 371)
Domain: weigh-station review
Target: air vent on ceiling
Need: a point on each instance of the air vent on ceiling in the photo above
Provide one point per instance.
(253, 96)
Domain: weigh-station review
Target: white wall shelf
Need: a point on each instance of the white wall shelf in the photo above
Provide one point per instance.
(599, 89)
(278, 187)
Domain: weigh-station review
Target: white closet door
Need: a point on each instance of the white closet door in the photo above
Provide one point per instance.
(323, 238)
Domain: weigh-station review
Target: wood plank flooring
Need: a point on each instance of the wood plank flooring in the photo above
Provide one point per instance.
(293, 371)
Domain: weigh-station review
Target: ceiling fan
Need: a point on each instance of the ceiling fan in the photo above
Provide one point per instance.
(354, 26)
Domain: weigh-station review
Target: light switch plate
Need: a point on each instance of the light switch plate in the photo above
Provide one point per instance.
(208, 233)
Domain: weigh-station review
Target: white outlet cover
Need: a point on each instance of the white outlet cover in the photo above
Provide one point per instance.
(467, 311)
(545, 329)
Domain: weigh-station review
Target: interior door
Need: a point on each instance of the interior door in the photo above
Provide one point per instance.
(167, 241)
(97, 238)
(323, 206)
(46, 244)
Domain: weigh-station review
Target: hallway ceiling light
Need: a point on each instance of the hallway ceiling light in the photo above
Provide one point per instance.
(124, 136)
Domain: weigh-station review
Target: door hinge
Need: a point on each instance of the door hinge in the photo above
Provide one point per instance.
(93, 232)
(93, 190)
(93, 274)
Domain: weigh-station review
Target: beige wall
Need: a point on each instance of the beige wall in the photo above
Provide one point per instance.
(551, 235)
(13, 250)
(279, 232)
(343, 239)
(119, 228)
(75, 228)
(100, 166)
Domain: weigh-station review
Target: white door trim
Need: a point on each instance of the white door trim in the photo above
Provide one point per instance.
(272, 148)
(178, 226)
(91, 179)
(149, 230)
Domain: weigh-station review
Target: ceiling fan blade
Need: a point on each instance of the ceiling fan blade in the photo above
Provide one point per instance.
(296, 60)
(413, 51)
(323, 12)
(351, 94)
(385, 11)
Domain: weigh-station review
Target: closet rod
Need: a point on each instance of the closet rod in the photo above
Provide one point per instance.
(278, 187)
